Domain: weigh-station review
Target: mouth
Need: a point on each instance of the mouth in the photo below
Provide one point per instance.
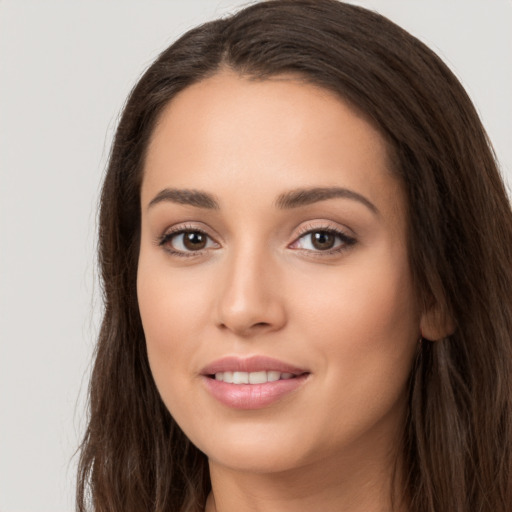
(252, 383)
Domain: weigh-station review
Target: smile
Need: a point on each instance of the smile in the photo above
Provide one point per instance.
(252, 383)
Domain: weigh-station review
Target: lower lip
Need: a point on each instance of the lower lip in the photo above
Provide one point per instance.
(252, 396)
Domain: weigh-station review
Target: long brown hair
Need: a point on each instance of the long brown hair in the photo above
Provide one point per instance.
(457, 445)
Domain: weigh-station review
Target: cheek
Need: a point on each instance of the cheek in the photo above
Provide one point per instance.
(170, 301)
(367, 299)
(171, 317)
(365, 325)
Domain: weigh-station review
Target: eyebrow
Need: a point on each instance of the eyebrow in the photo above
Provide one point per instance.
(305, 196)
(187, 197)
(288, 200)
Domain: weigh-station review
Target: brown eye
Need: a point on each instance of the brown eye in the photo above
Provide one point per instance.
(327, 241)
(194, 240)
(323, 240)
(187, 242)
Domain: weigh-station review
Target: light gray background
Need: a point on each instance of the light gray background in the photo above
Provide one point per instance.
(65, 70)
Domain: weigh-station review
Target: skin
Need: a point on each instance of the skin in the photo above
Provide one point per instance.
(261, 287)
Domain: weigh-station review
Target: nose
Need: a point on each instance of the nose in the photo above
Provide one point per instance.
(250, 299)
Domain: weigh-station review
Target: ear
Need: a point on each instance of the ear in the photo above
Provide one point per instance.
(436, 323)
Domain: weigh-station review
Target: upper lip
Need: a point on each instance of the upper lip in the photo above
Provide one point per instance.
(250, 364)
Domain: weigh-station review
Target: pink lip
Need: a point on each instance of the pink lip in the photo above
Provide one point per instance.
(251, 396)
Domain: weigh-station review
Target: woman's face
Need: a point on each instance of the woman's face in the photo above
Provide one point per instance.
(274, 252)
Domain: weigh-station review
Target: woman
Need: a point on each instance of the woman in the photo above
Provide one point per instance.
(305, 247)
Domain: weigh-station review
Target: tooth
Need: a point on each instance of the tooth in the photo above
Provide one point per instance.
(240, 378)
(257, 377)
(261, 377)
(272, 376)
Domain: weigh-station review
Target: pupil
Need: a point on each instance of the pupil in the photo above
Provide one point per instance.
(323, 240)
(194, 240)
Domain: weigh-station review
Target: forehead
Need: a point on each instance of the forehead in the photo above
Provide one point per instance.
(232, 133)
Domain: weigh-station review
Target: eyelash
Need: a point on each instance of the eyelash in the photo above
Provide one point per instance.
(346, 240)
(169, 235)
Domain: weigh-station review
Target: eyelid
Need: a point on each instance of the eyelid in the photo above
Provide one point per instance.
(324, 225)
(346, 239)
(180, 229)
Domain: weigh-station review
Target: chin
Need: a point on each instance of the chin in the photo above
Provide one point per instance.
(263, 458)
(259, 449)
